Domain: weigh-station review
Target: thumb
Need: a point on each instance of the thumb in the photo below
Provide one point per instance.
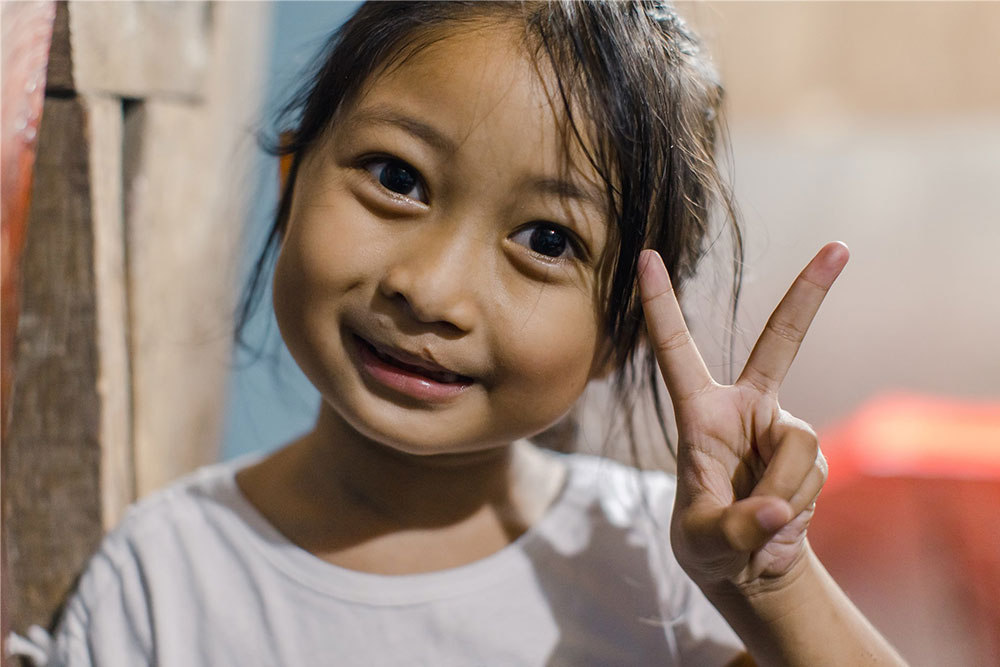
(744, 526)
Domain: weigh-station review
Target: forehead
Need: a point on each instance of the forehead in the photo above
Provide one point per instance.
(465, 69)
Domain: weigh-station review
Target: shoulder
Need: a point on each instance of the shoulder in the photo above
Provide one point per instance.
(195, 502)
(151, 556)
(164, 527)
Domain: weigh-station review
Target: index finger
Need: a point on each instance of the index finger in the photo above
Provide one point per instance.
(683, 369)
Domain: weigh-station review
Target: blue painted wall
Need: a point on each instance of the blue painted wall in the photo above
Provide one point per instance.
(270, 401)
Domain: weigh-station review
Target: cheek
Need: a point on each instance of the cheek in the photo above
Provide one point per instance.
(321, 259)
(550, 357)
(298, 310)
(327, 245)
(330, 248)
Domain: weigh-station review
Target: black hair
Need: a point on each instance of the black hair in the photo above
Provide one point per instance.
(640, 97)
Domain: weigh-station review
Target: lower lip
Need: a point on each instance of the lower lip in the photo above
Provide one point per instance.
(402, 380)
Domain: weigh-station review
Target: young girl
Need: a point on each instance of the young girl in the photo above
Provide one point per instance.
(469, 193)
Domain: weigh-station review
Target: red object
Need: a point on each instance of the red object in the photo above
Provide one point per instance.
(27, 35)
(909, 524)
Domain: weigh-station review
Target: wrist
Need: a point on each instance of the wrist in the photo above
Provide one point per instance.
(800, 618)
(768, 595)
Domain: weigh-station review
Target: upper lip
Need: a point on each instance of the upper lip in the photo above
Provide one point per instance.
(424, 360)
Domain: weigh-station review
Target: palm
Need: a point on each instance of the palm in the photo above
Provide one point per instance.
(721, 462)
(748, 472)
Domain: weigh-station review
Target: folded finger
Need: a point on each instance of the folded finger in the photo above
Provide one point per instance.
(811, 486)
(743, 526)
(795, 457)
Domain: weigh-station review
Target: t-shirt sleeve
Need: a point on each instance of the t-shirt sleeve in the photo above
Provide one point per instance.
(106, 620)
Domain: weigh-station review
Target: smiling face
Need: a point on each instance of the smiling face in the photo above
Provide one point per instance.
(437, 278)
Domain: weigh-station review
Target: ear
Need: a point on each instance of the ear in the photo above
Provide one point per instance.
(285, 161)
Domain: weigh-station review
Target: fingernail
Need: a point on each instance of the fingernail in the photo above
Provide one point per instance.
(643, 260)
(772, 518)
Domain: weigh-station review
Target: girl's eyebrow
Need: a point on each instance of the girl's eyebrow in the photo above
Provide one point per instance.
(385, 115)
(568, 190)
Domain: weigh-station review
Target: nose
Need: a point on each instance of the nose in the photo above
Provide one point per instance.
(433, 277)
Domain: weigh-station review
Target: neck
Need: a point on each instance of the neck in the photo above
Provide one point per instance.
(365, 506)
(400, 490)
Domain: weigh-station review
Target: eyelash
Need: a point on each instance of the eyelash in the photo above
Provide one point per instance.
(573, 243)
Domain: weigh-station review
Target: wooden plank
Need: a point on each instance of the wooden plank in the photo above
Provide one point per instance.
(26, 39)
(186, 180)
(105, 131)
(141, 49)
(51, 455)
(59, 74)
(181, 253)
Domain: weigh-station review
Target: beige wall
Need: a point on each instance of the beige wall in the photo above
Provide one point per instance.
(867, 58)
(877, 124)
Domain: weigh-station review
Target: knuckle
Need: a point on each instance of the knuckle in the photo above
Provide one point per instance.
(786, 330)
(673, 341)
(666, 292)
(810, 441)
(694, 394)
(802, 429)
(809, 282)
(762, 381)
(808, 444)
(732, 533)
(822, 466)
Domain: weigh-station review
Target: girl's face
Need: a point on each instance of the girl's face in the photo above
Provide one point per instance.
(437, 279)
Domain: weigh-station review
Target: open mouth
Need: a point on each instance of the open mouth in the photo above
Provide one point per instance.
(440, 376)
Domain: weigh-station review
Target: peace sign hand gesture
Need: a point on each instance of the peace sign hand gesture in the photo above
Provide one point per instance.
(748, 472)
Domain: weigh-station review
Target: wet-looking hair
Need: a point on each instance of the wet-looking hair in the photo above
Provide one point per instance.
(640, 98)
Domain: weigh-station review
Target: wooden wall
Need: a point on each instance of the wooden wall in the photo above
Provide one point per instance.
(129, 274)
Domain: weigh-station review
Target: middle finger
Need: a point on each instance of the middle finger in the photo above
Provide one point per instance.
(778, 344)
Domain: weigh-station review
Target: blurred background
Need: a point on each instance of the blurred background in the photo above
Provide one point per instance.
(877, 124)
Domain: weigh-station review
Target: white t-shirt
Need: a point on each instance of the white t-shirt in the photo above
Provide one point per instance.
(195, 575)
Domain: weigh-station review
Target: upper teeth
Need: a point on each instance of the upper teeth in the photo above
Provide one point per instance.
(440, 376)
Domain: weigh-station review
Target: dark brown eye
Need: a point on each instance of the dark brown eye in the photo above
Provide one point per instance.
(397, 176)
(546, 239)
(550, 242)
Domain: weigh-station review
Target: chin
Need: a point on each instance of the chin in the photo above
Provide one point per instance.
(419, 433)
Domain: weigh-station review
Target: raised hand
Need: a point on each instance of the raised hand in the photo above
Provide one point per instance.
(748, 472)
